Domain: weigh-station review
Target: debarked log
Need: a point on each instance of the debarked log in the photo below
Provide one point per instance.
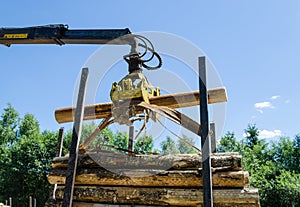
(161, 196)
(114, 160)
(153, 178)
(177, 100)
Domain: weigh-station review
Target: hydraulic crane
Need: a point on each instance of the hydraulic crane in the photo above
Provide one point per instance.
(130, 96)
(134, 86)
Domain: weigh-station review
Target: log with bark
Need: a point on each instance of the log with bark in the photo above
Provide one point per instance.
(174, 178)
(115, 160)
(159, 196)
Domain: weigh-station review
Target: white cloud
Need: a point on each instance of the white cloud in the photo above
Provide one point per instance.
(269, 134)
(287, 101)
(275, 97)
(265, 104)
(262, 105)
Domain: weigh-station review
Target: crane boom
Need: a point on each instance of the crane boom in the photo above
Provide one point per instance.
(60, 34)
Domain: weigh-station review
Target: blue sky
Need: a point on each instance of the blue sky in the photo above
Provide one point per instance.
(254, 46)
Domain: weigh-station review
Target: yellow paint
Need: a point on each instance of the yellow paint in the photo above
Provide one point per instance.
(15, 36)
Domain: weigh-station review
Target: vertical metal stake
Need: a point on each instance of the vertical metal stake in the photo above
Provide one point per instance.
(34, 202)
(73, 157)
(205, 140)
(212, 128)
(130, 141)
(10, 201)
(60, 142)
(58, 152)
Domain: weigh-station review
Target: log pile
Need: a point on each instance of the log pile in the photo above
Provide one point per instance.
(115, 179)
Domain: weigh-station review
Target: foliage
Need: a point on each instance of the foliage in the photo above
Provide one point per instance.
(180, 146)
(185, 144)
(25, 158)
(273, 166)
(143, 145)
(251, 134)
(168, 146)
(9, 123)
(229, 143)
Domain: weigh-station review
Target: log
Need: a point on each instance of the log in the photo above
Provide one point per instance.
(114, 160)
(178, 100)
(144, 178)
(161, 196)
(56, 203)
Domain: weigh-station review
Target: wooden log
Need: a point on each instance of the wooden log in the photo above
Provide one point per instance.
(161, 196)
(154, 178)
(113, 160)
(85, 204)
(178, 100)
(56, 203)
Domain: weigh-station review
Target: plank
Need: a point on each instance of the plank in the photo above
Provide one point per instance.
(114, 160)
(161, 196)
(178, 100)
(153, 178)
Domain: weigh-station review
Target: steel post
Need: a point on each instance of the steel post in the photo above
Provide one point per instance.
(77, 127)
(59, 142)
(58, 152)
(130, 140)
(205, 139)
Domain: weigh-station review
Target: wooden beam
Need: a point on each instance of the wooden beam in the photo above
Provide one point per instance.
(153, 178)
(178, 100)
(162, 196)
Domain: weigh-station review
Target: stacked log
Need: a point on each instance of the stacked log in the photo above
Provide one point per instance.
(114, 179)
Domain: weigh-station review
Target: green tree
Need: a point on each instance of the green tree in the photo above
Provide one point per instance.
(251, 135)
(143, 145)
(283, 153)
(25, 158)
(29, 126)
(229, 143)
(27, 171)
(169, 146)
(296, 154)
(109, 140)
(9, 123)
(185, 144)
(119, 140)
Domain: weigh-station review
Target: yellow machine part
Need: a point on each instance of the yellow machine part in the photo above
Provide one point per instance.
(133, 86)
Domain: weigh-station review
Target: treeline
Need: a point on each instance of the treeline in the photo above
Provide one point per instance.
(274, 166)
